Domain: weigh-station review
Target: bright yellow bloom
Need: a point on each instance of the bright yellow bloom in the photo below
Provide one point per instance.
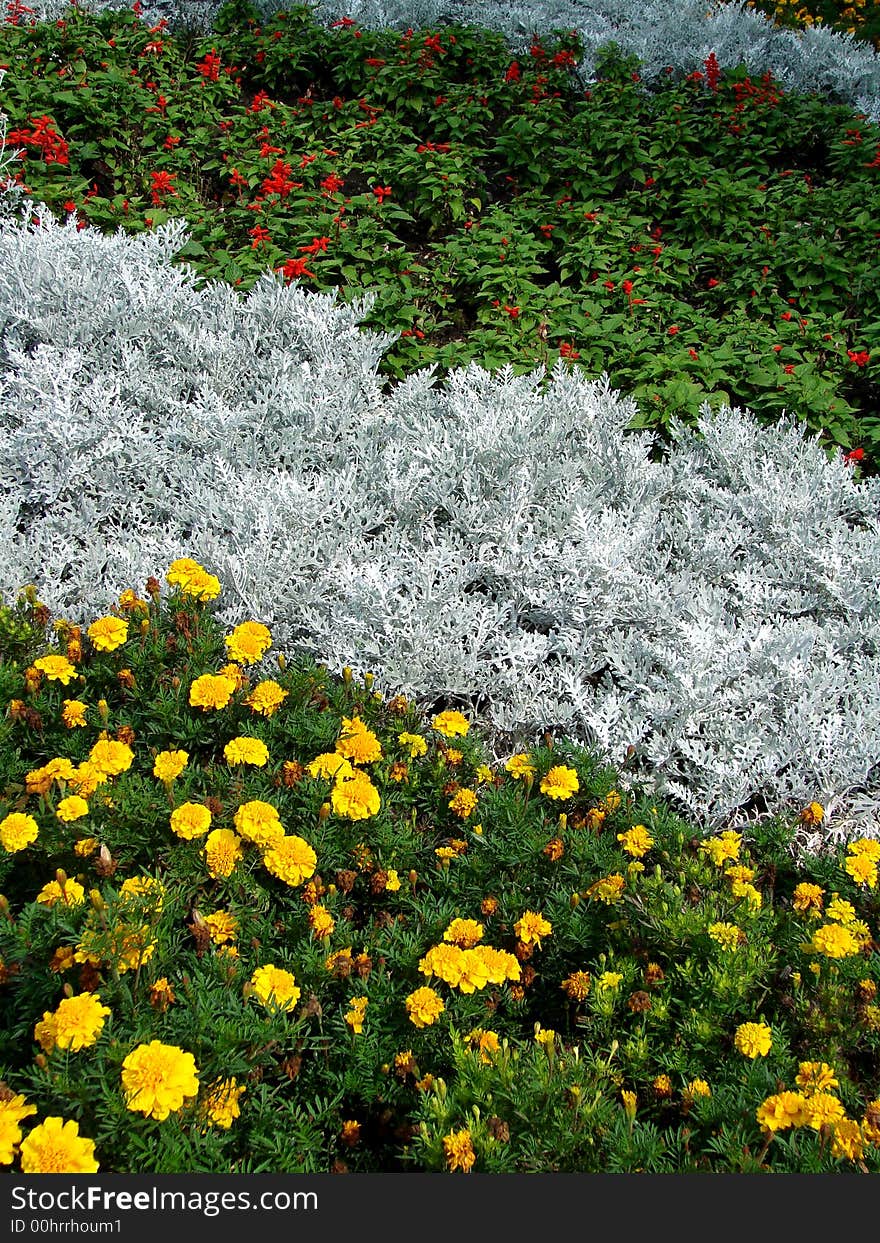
(71, 893)
(190, 820)
(74, 807)
(266, 698)
(330, 764)
(464, 932)
(222, 926)
(145, 891)
(111, 757)
(56, 1147)
(170, 764)
(86, 846)
(742, 889)
(866, 846)
(56, 668)
(108, 633)
(416, 744)
(355, 1016)
(822, 1109)
(520, 767)
(815, 1077)
(87, 777)
(259, 822)
(245, 750)
(727, 935)
(459, 1151)
(636, 841)
(720, 849)
(862, 869)
(813, 814)
(17, 830)
(841, 911)
(608, 890)
(11, 1113)
(609, 979)
(424, 1007)
(444, 961)
(784, 1110)
(392, 884)
(475, 970)
(463, 803)
(321, 921)
(193, 579)
(157, 1078)
(358, 743)
(499, 964)
(291, 859)
(485, 1043)
(577, 985)
(355, 797)
(450, 723)
(211, 690)
(630, 1100)
(220, 1106)
(78, 1021)
(753, 1039)
(847, 1140)
(834, 941)
(248, 642)
(696, 1088)
(808, 897)
(73, 713)
(222, 852)
(275, 988)
(560, 782)
(531, 926)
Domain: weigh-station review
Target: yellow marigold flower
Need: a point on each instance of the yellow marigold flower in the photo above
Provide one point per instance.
(136, 946)
(577, 985)
(808, 897)
(720, 849)
(291, 859)
(784, 1110)
(636, 841)
(813, 814)
(16, 1108)
(111, 757)
(355, 797)
(339, 962)
(696, 1088)
(157, 1078)
(146, 890)
(834, 941)
(415, 743)
(275, 987)
(330, 764)
(71, 893)
(108, 633)
(815, 1077)
(662, 1086)
(72, 808)
(87, 777)
(248, 642)
(841, 911)
(162, 994)
(742, 889)
(190, 820)
(358, 743)
(545, 1036)
(531, 926)
(483, 774)
(392, 884)
(560, 782)
(611, 801)
(444, 961)
(170, 764)
(609, 979)
(475, 970)
(85, 846)
(866, 846)
(520, 767)
(727, 935)
(862, 869)
(355, 1016)
(424, 1007)
(266, 698)
(220, 1106)
(753, 1039)
(321, 921)
(459, 1151)
(259, 822)
(17, 830)
(608, 890)
(56, 668)
(450, 723)
(739, 874)
(73, 713)
(847, 1140)
(211, 690)
(78, 1021)
(246, 751)
(193, 579)
(56, 1147)
(10, 1130)
(222, 926)
(463, 803)
(485, 1043)
(822, 1109)
(464, 932)
(630, 1101)
(44, 1031)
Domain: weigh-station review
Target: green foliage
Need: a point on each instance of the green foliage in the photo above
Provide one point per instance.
(633, 949)
(701, 241)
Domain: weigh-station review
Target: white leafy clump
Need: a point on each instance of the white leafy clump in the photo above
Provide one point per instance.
(498, 542)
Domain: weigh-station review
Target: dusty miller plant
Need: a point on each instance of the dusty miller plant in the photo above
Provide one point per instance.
(496, 541)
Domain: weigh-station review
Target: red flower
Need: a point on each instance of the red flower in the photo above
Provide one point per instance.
(627, 287)
(381, 192)
(713, 71)
(317, 244)
(855, 456)
(567, 350)
(670, 332)
(259, 234)
(512, 311)
(161, 186)
(209, 68)
(860, 357)
(711, 282)
(512, 74)
(295, 267)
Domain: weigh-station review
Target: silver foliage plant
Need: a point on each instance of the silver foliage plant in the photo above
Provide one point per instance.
(677, 33)
(495, 541)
